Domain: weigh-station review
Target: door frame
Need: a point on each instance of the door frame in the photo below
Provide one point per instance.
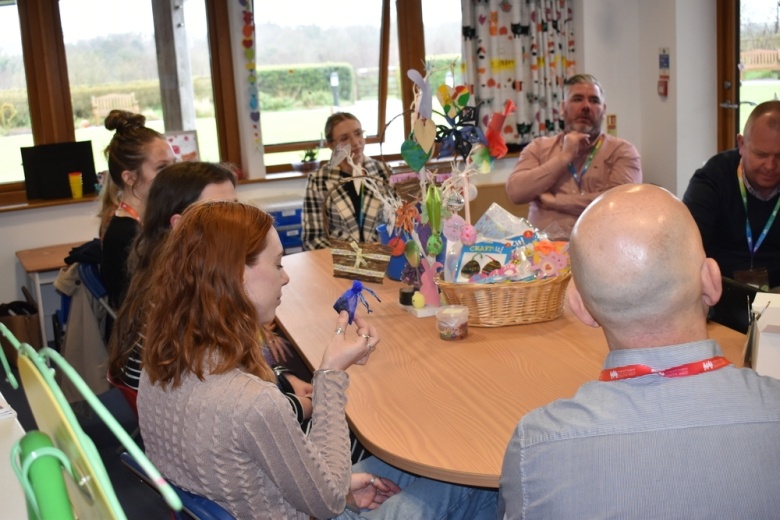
(728, 67)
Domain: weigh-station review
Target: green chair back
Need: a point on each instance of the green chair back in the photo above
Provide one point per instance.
(39, 467)
(89, 488)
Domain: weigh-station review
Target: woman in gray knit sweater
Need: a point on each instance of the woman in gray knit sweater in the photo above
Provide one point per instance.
(212, 418)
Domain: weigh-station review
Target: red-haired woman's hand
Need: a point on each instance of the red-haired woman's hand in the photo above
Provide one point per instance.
(345, 350)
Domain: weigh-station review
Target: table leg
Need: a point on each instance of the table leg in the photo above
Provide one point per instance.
(35, 280)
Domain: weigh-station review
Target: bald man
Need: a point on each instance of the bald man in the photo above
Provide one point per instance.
(734, 198)
(671, 429)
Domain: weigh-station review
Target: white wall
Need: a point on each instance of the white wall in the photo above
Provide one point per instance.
(617, 40)
(619, 45)
(608, 49)
(697, 92)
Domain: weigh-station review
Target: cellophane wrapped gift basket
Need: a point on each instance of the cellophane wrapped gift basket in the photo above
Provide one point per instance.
(510, 275)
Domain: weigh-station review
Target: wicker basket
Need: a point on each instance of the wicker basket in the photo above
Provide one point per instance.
(513, 303)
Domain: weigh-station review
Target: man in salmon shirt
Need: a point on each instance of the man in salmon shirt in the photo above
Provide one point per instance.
(560, 175)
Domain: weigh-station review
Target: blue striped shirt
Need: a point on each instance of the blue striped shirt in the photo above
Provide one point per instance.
(704, 446)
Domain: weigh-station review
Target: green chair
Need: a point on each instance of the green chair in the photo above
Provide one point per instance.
(62, 448)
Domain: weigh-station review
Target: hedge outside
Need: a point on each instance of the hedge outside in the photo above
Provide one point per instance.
(297, 81)
(281, 87)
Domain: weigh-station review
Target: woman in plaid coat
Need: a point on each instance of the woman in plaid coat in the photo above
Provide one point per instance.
(354, 211)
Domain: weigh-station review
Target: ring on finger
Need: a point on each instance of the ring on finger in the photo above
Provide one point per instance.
(373, 479)
(339, 330)
(365, 336)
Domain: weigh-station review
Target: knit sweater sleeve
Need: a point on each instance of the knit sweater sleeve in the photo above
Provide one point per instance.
(312, 473)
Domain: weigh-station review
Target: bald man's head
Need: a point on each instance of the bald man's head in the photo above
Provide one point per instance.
(637, 260)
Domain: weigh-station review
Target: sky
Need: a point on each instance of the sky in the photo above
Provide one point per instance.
(123, 16)
(759, 10)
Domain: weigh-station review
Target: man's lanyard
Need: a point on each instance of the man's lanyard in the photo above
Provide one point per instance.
(578, 177)
(130, 211)
(748, 231)
(689, 369)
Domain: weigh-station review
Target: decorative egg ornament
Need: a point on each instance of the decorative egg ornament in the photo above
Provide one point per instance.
(455, 202)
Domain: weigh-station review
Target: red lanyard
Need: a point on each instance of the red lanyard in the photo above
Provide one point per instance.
(130, 211)
(689, 369)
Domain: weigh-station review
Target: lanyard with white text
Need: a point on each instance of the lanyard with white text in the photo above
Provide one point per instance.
(749, 232)
(578, 177)
(689, 369)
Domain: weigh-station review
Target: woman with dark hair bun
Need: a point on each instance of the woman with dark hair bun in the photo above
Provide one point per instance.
(135, 154)
(174, 189)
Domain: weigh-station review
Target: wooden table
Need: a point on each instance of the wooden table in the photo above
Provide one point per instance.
(445, 409)
(42, 265)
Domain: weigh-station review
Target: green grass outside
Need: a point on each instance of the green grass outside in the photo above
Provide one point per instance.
(757, 92)
(276, 126)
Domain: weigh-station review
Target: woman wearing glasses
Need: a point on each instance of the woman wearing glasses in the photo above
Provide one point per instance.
(354, 211)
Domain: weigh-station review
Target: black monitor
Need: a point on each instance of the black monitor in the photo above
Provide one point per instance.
(46, 169)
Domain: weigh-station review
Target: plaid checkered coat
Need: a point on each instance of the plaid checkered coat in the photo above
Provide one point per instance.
(342, 217)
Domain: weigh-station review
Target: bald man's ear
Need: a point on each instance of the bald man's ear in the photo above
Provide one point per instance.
(711, 282)
(574, 299)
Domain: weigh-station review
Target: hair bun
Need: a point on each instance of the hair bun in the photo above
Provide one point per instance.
(124, 121)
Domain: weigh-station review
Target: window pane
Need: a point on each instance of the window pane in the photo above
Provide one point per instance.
(759, 45)
(15, 131)
(118, 56)
(442, 47)
(315, 58)
(394, 120)
(200, 63)
(443, 40)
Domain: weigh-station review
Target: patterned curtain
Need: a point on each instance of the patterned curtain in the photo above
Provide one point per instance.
(521, 50)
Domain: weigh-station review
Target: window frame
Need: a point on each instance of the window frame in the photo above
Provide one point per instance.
(48, 88)
(727, 76)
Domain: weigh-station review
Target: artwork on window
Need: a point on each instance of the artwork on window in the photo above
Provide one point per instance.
(184, 144)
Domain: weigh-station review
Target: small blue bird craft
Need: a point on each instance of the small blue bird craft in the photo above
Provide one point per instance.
(349, 300)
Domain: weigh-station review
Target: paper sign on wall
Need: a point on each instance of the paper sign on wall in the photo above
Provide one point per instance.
(184, 144)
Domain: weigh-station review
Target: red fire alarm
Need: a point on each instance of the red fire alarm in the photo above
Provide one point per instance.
(663, 87)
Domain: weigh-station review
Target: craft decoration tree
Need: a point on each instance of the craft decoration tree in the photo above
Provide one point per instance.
(473, 153)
